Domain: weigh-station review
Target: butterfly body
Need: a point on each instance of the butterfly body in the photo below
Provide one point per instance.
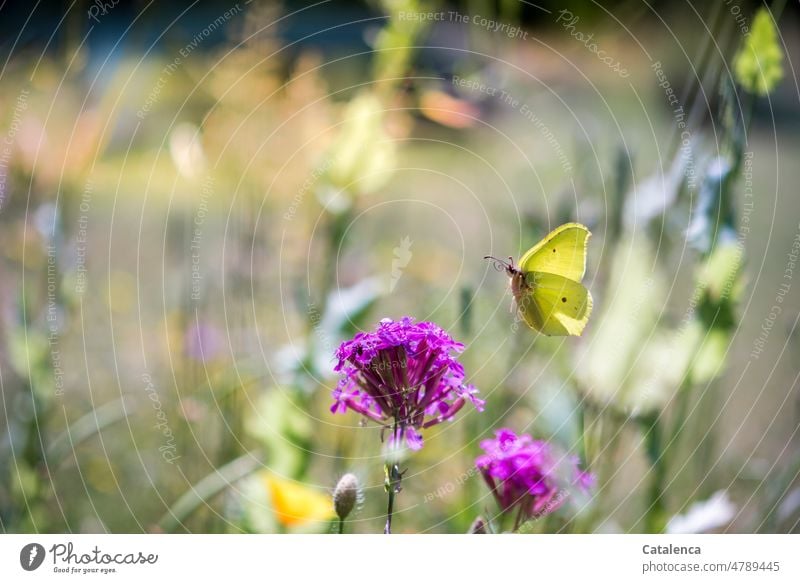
(546, 284)
(520, 287)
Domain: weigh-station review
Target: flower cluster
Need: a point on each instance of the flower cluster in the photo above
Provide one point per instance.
(404, 375)
(523, 473)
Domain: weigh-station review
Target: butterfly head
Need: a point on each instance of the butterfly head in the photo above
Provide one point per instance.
(502, 265)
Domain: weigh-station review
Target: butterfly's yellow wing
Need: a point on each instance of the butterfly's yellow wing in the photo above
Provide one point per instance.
(562, 252)
(552, 304)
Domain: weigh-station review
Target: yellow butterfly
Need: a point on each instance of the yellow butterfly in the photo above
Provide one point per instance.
(547, 283)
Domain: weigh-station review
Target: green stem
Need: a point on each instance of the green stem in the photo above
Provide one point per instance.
(334, 236)
(655, 520)
(518, 520)
(683, 399)
(392, 488)
(341, 526)
(393, 476)
(777, 9)
(582, 453)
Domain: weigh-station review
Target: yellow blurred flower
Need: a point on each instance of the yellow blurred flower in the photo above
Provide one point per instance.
(363, 156)
(296, 504)
(757, 65)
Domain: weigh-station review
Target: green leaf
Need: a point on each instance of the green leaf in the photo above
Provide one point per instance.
(203, 491)
(90, 424)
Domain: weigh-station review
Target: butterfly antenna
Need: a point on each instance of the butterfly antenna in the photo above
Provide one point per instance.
(499, 264)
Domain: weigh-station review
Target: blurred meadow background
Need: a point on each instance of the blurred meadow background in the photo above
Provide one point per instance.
(199, 202)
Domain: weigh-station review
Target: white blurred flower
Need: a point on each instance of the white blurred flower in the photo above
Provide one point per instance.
(186, 150)
(656, 193)
(704, 516)
(789, 505)
(624, 363)
(402, 256)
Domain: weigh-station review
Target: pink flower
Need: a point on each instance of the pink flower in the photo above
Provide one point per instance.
(522, 473)
(404, 375)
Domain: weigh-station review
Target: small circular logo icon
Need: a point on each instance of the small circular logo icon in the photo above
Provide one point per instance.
(31, 556)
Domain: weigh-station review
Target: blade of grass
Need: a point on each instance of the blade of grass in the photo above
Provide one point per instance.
(88, 425)
(207, 488)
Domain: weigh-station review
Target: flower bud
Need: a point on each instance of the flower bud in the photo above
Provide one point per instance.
(478, 526)
(345, 495)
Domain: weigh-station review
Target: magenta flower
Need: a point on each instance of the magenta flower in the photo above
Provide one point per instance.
(523, 473)
(405, 376)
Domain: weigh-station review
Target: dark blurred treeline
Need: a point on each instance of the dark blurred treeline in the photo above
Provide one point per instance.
(157, 25)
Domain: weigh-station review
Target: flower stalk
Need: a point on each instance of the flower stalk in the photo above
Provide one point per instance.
(392, 486)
